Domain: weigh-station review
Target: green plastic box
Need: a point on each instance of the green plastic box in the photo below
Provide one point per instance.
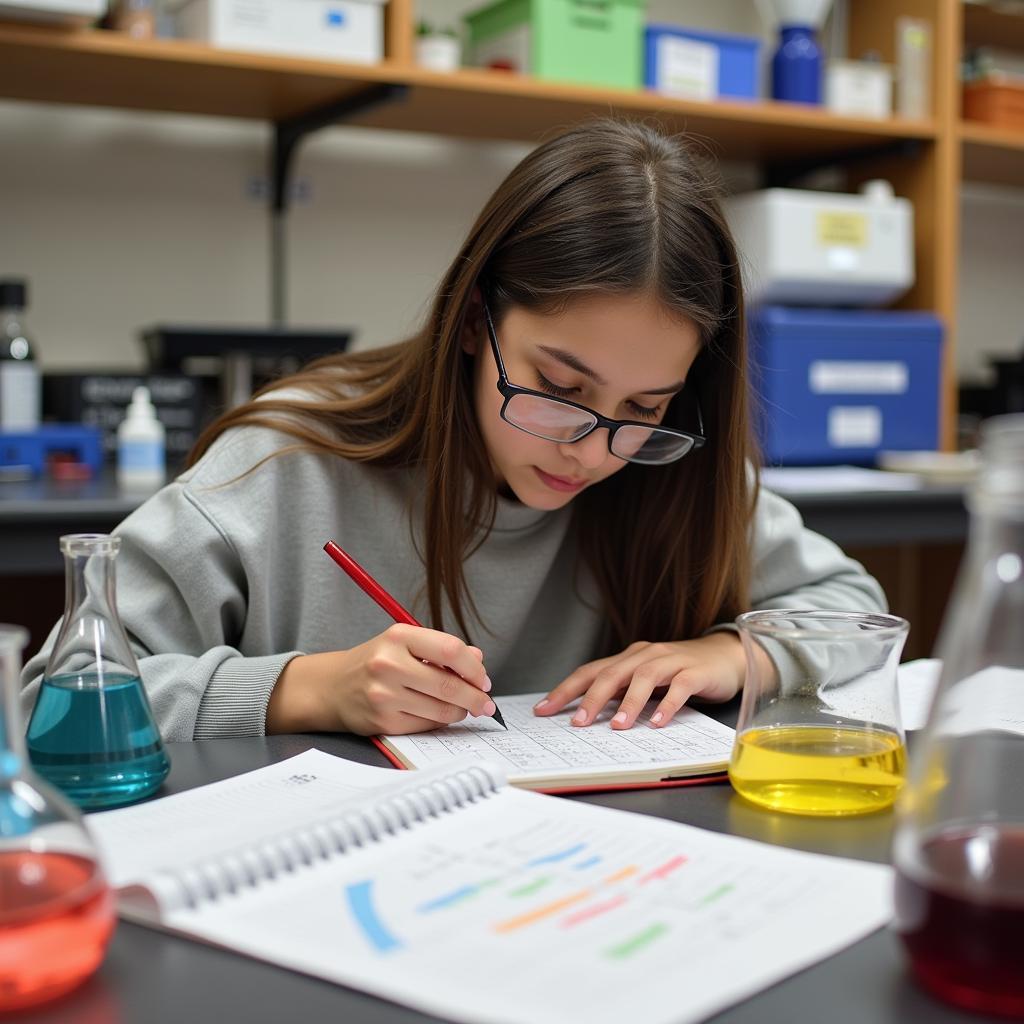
(598, 42)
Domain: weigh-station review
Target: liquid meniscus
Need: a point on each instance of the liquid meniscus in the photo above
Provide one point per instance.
(817, 769)
(960, 914)
(96, 742)
(56, 917)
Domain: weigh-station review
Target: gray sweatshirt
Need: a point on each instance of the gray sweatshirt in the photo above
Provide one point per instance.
(222, 580)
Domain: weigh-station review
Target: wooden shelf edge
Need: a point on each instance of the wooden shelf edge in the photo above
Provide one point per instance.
(981, 134)
(121, 50)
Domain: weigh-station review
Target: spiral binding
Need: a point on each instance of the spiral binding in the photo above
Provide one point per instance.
(414, 804)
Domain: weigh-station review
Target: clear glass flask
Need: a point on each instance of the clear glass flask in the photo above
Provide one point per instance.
(92, 732)
(56, 909)
(959, 843)
(819, 729)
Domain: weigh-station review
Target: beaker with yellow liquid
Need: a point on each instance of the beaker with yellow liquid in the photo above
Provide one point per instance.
(819, 729)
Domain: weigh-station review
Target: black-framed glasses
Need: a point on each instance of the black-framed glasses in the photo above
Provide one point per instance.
(565, 422)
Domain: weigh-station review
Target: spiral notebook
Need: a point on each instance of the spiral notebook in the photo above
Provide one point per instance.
(550, 754)
(449, 891)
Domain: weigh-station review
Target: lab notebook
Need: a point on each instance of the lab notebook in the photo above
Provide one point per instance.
(548, 753)
(451, 892)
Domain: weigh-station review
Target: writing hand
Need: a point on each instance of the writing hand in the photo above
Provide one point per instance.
(392, 684)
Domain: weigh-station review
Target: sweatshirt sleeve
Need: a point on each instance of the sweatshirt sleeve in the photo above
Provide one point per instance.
(182, 597)
(797, 568)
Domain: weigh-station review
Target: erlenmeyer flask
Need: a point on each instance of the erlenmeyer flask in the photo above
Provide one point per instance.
(56, 910)
(959, 844)
(92, 732)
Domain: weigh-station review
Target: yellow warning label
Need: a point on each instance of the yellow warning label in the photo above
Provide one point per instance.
(841, 228)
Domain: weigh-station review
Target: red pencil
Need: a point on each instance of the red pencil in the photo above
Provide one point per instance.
(370, 586)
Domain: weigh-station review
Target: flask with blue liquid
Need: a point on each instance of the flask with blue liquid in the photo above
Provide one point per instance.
(92, 732)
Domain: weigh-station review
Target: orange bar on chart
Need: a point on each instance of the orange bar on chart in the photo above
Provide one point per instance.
(541, 912)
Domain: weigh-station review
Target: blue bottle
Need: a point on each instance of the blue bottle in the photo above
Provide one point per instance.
(797, 66)
(92, 732)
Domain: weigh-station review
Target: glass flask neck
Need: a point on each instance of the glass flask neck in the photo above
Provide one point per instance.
(91, 639)
(996, 501)
(12, 741)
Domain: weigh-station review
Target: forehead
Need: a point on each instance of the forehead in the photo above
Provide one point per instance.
(626, 339)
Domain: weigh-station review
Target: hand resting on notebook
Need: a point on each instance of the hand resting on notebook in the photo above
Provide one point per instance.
(711, 667)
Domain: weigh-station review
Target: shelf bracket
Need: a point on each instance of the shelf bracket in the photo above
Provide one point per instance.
(288, 134)
(783, 173)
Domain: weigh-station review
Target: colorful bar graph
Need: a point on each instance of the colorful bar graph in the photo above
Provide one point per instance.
(360, 901)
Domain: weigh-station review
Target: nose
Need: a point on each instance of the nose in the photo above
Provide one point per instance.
(591, 451)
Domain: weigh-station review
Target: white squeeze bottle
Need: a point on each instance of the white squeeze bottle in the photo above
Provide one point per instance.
(141, 459)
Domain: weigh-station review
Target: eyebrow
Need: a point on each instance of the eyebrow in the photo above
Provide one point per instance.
(568, 359)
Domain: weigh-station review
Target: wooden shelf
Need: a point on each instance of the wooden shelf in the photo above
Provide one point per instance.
(986, 25)
(994, 155)
(99, 68)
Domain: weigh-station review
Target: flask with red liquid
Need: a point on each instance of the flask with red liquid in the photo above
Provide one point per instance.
(56, 909)
(959, 844)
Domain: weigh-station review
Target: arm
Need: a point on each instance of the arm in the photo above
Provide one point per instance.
(792, 568)
(181, 595)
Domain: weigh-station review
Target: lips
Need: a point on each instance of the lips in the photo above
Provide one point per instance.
(559, 483)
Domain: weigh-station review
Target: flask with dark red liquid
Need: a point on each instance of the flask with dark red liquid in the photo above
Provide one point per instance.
(56, 909)
(959, 845)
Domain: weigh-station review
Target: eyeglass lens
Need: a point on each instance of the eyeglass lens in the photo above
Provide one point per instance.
(556, 421)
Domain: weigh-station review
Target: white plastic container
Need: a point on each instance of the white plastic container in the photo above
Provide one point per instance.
(802, 247)
(439, 52)
(141, 445)
(860, 88)
(345, 30)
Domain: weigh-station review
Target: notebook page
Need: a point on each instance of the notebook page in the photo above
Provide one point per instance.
(536, 747)
(208, 820)
(527, 909)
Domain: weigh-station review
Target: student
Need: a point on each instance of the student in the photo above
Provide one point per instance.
(556, 469)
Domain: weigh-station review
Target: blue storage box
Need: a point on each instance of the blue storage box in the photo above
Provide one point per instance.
(838, 386)
(673, 68)
(34, 449)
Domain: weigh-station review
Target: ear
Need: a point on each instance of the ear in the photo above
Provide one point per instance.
(473, 326)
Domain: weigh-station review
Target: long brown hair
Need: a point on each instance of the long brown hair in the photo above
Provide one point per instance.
(607, 207)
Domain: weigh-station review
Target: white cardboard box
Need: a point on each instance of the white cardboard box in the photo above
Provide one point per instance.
(803, 247)
(345, 30)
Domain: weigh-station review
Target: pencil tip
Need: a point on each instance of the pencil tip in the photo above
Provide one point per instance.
(497, 717)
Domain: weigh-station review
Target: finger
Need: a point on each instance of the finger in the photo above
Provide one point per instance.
(445, 651)
(646, 679)
(610, 682)
(448, 688)
(439, 712)
(680, 690)
(570, 687)
(404, 723)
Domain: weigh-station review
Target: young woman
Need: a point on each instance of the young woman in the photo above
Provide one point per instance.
(555, 474)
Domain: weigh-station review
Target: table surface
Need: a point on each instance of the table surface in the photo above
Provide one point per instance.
(149, 977)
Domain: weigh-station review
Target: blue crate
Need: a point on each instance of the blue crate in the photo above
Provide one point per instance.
(838, 386)
(34, 448)
(737, 58)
